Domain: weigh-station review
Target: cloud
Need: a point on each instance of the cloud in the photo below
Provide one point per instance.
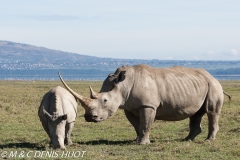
(234, 52)
(231, 54)
(53, 17)
(211, 53)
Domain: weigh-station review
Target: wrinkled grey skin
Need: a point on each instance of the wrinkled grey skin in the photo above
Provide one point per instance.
(57, 112)
(147, 94)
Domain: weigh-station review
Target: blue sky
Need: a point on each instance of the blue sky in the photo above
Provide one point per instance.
(139, 29)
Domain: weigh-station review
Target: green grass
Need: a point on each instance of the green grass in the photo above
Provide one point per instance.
(22, 132)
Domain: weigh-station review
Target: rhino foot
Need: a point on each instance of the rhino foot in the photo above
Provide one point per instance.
(63, 148)
(187, 139)
(68, 141)
(209, 139)
(143, 141)
(136, 139)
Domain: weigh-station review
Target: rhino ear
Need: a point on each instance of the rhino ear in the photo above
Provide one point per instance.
(64, 117)
(120, 77)
(116, 78)
(112, 77)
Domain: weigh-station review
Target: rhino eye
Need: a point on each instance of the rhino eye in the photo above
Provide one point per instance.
(105, 100)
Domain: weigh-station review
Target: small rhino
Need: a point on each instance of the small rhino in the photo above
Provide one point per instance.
(58, 112)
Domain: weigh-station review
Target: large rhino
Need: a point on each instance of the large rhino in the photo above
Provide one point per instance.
(57, 112)
(147, 94)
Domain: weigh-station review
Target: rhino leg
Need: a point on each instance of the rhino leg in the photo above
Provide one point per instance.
(134, 120)
(61, 143)
(212, 125)
(195, 127)
(45, 126)
(195, 124)
(147, 116)
(68, 131)
(213, 111)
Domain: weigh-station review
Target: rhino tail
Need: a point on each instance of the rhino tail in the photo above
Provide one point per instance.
(229, 96)
(46, 113)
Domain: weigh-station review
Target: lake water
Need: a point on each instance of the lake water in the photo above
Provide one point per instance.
(69, 74)
(50, 74)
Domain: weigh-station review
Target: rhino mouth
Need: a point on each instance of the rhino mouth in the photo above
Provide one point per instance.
(90, 118)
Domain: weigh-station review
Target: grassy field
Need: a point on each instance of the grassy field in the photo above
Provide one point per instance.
(22, 135)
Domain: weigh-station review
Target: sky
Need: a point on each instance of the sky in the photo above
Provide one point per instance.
(127, 29)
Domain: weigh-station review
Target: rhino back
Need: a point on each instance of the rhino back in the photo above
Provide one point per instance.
(176, 93)
(65, 103)
(59, 101)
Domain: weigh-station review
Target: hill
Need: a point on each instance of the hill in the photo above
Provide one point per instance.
(24, 56)
(18, 56)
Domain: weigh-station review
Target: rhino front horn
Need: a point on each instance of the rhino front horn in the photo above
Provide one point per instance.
(83, 100)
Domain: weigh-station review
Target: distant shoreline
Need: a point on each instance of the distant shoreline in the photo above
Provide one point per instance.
(77, 74)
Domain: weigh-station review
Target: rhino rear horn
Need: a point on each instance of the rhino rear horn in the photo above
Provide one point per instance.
(93, 94)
